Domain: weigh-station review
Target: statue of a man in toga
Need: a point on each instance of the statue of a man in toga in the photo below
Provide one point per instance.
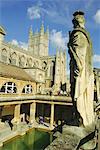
(81, 70)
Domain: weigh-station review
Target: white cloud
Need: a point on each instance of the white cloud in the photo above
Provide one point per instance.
(43, 8)
(96, 58)
(97, 16)
(14, 42)
(58, 40)
(34, 12)
(19, 44)
(23, 45)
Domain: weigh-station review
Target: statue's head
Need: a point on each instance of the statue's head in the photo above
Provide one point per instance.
(78, 20)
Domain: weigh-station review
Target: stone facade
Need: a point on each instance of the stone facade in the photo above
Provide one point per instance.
(49, 72)
(38, 42)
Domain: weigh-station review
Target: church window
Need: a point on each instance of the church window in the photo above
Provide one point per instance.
(8, 87)
(29, 62)
(4, 55)
(22, 61)
(13, 58)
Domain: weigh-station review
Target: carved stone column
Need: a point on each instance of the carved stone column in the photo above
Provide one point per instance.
(52, 115)
(32, 112)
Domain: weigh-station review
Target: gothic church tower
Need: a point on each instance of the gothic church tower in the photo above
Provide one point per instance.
(38, 43)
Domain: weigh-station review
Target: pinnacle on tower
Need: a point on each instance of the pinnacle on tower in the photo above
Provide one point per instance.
(30, 31)
(42, 28)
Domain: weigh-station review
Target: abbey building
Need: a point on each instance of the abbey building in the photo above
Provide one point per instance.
(32, 69)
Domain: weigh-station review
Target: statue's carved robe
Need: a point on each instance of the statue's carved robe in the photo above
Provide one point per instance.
(81, 74)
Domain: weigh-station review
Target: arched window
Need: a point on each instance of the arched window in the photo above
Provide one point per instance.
(44, 65)
(27, 89)
(4, 55)
(13, 58)
(29, 62)
(22, 61)
(8, 87)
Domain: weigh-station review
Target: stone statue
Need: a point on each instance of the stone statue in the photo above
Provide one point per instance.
(81, 71)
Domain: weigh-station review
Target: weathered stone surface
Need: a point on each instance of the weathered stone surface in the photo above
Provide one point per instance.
(71, 137)
(64, 142)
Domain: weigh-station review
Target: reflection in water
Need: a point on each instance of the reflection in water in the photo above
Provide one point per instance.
(33, 140)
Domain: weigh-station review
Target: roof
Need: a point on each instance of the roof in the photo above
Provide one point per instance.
(10, 71)
(2, 30)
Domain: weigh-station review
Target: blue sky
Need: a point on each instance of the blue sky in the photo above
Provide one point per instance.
(16, 16)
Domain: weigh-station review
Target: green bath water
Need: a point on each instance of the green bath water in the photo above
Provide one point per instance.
(33, 140)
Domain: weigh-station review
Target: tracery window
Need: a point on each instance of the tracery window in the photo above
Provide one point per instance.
(4, 55)
(29, 62)
(13, 58)
(27, 89)
(8, 87)
(22, 61)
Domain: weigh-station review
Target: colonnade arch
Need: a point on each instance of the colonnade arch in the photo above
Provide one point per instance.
(8, 87)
